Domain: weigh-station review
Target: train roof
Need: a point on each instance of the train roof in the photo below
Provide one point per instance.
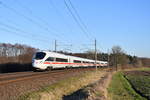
(55, 54)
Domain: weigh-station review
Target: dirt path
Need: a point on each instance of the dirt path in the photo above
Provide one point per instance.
(103, 85)
(100, 89)
(95, 91)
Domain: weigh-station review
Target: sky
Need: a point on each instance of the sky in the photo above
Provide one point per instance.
(39, 23)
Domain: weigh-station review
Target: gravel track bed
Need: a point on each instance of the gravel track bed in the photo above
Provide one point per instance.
(13, 90)
(26, 75)
(5, 75)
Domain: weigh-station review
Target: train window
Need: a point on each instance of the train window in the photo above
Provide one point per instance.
(84, 62)
(77, 61)
(50, 59)
(39, 55)
(61, 60)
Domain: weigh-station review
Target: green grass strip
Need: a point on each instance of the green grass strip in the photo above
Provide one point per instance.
(120, 89)
(144, 69)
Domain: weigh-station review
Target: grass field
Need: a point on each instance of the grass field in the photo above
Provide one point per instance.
(140, 81)
(120, 89)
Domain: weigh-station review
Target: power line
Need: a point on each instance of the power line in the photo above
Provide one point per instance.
(76, 19)
(21, 35)
(56, 45)
(37, 17)
(23, 6)
(26, 17)
(17, 29)
(60, 15)
(79, 17)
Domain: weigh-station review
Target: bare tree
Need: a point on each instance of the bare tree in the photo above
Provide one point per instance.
(15, 53)
(118, 57)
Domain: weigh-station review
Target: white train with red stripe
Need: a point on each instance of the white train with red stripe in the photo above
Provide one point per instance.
(46, 60)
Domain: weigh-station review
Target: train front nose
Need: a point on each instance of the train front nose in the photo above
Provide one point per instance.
(34, 63)
(37, 61)
(37, 64)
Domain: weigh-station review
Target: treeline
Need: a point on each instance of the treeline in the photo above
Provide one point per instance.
(119, 58)
(16, 53)
(116, 58)
(145, 61)
(15, 58)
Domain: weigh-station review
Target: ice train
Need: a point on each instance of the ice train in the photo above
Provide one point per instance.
(46, 60)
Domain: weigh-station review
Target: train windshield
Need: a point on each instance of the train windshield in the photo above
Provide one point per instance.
(39, 55)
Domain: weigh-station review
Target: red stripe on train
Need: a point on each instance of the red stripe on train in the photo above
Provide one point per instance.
(69, 63)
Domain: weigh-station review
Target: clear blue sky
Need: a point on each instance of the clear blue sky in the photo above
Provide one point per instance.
(112, 22)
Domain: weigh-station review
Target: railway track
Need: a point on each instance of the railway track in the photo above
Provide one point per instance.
(22, 76)
(16, 78)
(12, 85)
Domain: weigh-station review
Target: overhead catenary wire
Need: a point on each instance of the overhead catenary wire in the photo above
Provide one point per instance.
(29, 19)
(60, 15)
(80, 21)
(84, 29)
(60, 45)
(79, 18)
(15, 26)
(45, 23)
(32, 20)
(19, 30)
(23, 35)
(76, 19)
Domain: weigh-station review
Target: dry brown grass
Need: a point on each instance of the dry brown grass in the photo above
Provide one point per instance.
(95, 91)
(65, 87)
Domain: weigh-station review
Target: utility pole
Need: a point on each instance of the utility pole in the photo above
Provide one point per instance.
(116, 62)
(55, 45)
(95, 55)
(108, 58)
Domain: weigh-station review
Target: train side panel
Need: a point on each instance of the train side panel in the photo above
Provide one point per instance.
(45, 59)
